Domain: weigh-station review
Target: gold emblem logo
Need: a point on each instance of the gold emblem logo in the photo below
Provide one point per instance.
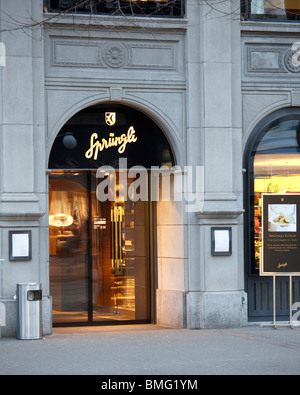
(110, 118)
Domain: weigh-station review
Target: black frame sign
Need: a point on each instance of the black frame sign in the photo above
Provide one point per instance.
(280, 235)
(221, 241)
(20, 245)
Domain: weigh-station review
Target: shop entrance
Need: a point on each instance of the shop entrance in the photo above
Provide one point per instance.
(101, 251)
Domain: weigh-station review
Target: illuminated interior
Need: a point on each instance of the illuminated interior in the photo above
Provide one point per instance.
(276, 169)
(99, 253)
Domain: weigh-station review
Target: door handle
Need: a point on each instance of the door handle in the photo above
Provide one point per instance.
(116, 250)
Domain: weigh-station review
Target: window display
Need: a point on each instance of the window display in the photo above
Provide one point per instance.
(276, 170)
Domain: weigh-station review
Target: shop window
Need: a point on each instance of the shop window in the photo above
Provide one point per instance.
(156, 8)
(273, 167)
(285, 10)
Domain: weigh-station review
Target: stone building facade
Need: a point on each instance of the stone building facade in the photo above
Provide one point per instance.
(207, 80)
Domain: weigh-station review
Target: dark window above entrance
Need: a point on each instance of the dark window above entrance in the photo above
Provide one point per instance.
(102, 134)
(155, 8)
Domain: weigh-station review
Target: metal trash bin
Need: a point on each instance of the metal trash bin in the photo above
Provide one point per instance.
(29, 311)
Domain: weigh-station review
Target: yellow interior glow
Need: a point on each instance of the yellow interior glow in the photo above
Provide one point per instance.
(60, 220)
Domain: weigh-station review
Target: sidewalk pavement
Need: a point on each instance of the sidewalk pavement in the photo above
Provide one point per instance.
(154, 350)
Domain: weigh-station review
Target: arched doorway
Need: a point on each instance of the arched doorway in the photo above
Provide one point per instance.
(101, 216)
(272, 162)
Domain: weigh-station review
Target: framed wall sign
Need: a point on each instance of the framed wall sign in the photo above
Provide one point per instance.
(280, 234)
(20, 245)
(221, 241)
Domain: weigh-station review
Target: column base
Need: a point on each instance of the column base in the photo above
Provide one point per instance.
(170, 308)
(208, 310)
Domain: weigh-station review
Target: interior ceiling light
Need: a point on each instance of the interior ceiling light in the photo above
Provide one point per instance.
(60, 220)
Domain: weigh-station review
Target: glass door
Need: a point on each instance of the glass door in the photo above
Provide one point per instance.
(68, 246)
(99, 253)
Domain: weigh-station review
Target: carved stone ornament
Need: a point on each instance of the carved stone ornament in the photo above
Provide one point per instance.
(288, 61)
(114, 55)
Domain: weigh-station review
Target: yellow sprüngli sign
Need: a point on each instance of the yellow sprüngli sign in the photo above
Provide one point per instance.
(113, 141)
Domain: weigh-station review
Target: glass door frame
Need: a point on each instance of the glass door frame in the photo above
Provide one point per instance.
(151, 248)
